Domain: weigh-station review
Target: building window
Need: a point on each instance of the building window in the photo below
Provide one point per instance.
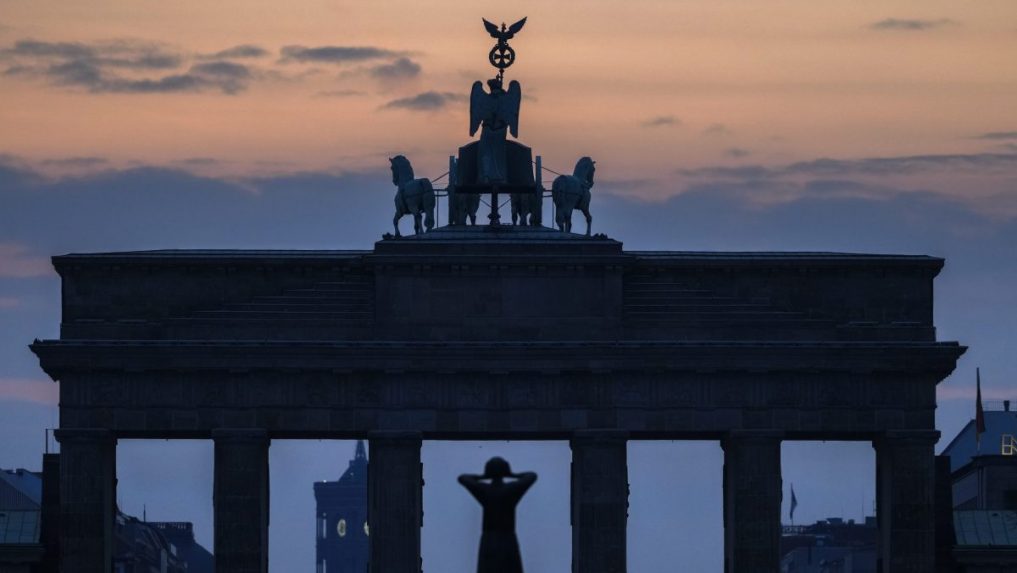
(1008, 447)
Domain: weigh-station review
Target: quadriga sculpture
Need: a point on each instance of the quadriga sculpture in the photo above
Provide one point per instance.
(464, 208)
(413, 196)
(573, 192)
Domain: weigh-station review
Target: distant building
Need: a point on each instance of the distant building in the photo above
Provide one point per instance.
(141, 548)
(985, 474)
(181, 535)
(342, 532)
(830, 546)
(28, 539)
(21, 547)
(983, 478)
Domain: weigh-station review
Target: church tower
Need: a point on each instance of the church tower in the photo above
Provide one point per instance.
(342, 533)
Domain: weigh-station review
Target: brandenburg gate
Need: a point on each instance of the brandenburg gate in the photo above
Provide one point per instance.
(498, 332)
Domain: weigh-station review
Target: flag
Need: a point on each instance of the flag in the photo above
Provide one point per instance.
(794, 504)
(979, 412)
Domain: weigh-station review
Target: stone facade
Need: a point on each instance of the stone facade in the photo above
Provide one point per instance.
(514, 333)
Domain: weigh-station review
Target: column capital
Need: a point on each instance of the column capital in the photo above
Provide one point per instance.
(240, 434)
(65, 435)
(601, 435)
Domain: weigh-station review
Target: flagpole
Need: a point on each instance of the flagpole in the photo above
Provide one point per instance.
(794, 503)
(979, 412)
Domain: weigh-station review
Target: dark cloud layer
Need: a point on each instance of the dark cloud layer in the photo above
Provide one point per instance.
(124, 66)
(335, 54)
(340, 93)
(131, 54)
(238, 52)
(76, 162)
(140, 67)
(662, 121)
(998, 135)
(426, 101)
(400, 69)
(826, 167)
(911, 24)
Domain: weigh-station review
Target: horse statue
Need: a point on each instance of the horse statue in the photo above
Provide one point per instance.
(462, 206)
(573, 192)
(526, 208)
(413, 196)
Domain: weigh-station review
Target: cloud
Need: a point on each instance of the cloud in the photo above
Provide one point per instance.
(716, 129)
(16, 262)
(400, 69)
(998, 135)
(27, 390)
(662, 121)
(131, 54)
(827, 167)
(123, 66)
(237, 52)
(199, 161)
(76, 162)
(426, 101)
(911, 25)
(340, 93)
(967, 393)
(7, 302)
(335, 54)
(737, 152)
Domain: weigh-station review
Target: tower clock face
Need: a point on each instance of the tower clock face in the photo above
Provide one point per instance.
(341, 528)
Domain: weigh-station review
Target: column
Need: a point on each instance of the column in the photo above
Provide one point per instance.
(240, 500)
(49, 525)
(905, 500)
(87, 499)
(395, 501)
(752, 497)
(600, 501)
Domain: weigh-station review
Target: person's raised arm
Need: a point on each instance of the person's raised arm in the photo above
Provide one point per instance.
(472, 483)
(524, 480)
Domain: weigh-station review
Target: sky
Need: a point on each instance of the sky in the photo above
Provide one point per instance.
(867, 126)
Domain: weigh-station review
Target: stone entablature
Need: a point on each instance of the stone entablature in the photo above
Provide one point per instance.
(475, 284)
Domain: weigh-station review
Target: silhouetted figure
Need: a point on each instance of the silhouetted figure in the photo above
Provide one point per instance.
(499, 549)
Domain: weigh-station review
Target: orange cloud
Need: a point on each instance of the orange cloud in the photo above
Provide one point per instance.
(29, 390)
(9, 302)
(17, 263)
(968, 393)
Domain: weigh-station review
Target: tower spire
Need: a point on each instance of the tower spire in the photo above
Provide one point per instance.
(361, 453)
